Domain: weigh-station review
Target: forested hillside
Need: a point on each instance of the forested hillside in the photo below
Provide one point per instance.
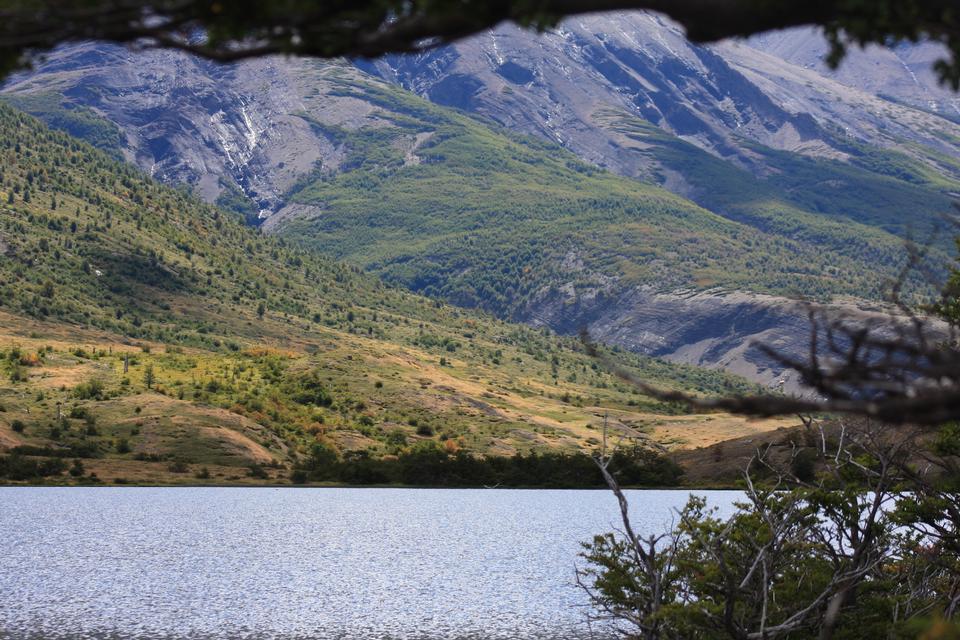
(150, 336)
(445, 204)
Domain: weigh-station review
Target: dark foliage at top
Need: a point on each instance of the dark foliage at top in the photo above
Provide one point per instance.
(247, 28)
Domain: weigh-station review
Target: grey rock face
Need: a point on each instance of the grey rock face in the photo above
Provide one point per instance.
(773, 90)
(714, 329)
(245, 127)
(902, 74)
(707, 328)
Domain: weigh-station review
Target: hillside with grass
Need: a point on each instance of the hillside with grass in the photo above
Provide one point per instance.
(642, 226)
(446, 204)
(149, 337)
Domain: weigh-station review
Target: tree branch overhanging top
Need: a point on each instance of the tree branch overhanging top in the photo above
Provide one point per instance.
(228, 30)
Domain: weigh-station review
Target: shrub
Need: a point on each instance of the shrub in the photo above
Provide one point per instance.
(77, 450)
(322, 463)
(16, 467)
(803, 464)
(30, 360)
(18, 426)
(397, 437)
(18, 373)
(90, 390)
(257, 471)
(308, 389)
(424, 430)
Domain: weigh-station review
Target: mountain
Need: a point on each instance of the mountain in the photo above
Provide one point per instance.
(727, 98)
(230, 132)
(902, 74)
(169, 335)
(611, 175)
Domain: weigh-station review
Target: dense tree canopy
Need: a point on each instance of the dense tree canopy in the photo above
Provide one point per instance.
(230, 30)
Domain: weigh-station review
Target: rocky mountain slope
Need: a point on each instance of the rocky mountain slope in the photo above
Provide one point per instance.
(902, 74)
(226, 131)
(792, 180)
(239, 131)
(773, 90)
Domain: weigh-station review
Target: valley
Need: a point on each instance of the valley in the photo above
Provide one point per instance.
(462, 320)
(556, 181)
(157, 339)
(676, 201)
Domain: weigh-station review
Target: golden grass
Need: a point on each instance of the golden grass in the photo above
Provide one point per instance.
(486, 409)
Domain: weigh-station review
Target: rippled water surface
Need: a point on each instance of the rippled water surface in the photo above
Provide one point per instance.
(302, 563)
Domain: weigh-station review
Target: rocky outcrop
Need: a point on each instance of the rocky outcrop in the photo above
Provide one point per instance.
(715, 329)
(249, 128)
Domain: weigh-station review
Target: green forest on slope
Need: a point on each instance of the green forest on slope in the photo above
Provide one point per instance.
(485, 218)
(124, 301)
(815, 200)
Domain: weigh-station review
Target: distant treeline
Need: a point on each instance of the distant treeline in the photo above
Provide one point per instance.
(433, 467)
(426, 465)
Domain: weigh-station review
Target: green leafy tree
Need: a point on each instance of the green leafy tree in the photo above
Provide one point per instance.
(866, 547)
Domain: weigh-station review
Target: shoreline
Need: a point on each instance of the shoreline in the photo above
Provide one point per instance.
(106, 485)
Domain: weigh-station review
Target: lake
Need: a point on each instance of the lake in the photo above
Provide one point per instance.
(291, 563)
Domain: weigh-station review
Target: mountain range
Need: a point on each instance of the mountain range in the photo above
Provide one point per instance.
(672, 198)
